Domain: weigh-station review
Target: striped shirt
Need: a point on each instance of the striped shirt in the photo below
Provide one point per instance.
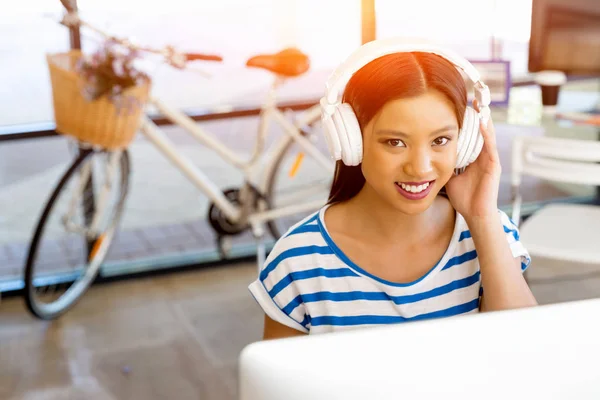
(309, 284)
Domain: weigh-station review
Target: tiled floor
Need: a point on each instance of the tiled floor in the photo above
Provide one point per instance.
(170, 337)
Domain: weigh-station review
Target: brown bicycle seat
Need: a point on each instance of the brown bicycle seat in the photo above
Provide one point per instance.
(289, 62)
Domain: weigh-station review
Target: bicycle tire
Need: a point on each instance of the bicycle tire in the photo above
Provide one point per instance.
(275, 231)
(49, 313)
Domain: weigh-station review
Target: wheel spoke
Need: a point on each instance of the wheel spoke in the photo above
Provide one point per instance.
(52, 269)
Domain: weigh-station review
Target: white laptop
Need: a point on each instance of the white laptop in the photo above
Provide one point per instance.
(545, 352)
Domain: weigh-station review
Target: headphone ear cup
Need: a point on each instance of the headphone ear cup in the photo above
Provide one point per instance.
(342, 135)
(461, 146)
(352, 155)
(476, 143)
(472, 142)
(472, 137)
(331, 137)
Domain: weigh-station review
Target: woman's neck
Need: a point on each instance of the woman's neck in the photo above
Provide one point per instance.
(377, 220)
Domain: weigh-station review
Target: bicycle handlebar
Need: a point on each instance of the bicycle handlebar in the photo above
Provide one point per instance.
(203, 57)
(172, 56)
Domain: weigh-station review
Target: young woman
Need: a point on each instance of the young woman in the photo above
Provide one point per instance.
(402, 238)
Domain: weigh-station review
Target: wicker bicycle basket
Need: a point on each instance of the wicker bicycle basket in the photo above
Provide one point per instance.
(100, 122)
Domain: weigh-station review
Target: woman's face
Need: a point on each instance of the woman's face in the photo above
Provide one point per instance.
(409, 150)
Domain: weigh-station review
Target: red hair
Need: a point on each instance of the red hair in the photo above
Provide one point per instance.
(394, 76)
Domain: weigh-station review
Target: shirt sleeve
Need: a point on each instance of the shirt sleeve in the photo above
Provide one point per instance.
(512, 236)
(277, 294)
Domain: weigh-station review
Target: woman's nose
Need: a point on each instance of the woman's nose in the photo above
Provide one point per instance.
(419, 164)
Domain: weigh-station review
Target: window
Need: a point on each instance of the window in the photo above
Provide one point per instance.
(466, 26)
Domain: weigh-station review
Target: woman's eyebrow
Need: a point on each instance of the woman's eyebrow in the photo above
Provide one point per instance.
(446, 128)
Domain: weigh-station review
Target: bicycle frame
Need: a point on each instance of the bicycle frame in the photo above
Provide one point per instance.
(92, 196)
(269, 112)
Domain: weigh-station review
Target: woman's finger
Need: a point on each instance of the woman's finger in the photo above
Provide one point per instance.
(489, 139)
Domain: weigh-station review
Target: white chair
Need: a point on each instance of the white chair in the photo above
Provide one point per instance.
(567, 231)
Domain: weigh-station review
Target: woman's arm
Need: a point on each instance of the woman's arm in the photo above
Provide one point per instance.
(501, 274)
(276, 330)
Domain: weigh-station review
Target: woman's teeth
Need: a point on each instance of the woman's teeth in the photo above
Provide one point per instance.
(414, 189)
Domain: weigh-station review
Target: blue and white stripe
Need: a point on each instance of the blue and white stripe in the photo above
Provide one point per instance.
(307, 282)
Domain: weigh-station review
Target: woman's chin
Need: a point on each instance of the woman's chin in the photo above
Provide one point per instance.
(415, 204)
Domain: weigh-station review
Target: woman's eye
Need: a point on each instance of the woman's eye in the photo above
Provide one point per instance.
(441, 141)
(395, 143)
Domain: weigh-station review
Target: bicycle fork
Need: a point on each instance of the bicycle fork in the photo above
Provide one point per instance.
(258, 230)
(85, 188)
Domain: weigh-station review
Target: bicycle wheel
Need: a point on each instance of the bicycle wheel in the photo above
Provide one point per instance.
(297, 178)
(65, 254)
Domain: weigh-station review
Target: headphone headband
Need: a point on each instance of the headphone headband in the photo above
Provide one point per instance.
(381, 47)
(342, 130)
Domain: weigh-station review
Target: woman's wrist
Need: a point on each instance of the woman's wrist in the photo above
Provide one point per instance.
(482, 222)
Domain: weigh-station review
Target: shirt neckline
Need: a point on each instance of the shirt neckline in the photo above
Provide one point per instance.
(432, 271)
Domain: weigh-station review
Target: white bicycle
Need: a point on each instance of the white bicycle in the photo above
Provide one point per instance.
(282, 183)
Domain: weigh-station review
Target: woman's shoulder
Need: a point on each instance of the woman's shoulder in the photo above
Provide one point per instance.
(303, 238)
(275, 289)
(302, 231)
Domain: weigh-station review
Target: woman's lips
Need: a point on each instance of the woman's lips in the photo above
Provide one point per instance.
(414, 191)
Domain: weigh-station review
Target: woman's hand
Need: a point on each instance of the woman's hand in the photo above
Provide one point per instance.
(474, 193)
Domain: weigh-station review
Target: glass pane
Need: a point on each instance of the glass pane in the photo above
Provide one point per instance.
(234, 29)
(28, 30)
(466, 26)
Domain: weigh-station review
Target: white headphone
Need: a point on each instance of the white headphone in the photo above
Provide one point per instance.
(342, 131)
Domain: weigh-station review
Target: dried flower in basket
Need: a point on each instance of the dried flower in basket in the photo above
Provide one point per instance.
(109, 72)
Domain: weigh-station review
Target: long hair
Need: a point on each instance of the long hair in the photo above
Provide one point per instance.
(394, 76)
